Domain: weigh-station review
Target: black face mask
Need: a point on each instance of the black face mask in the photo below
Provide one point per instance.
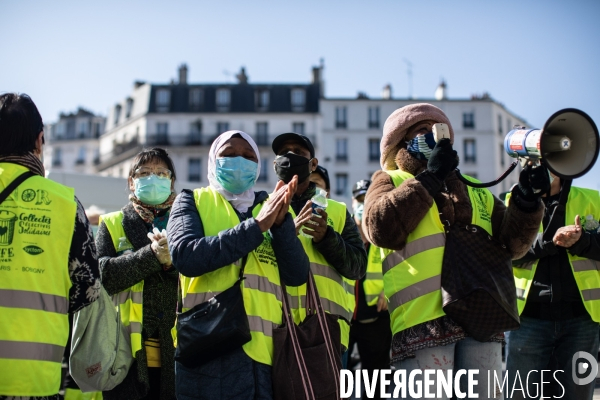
(290, 164)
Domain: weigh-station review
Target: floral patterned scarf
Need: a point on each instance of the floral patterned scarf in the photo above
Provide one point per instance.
(147, 212)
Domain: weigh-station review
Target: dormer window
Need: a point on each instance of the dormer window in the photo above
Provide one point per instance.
(117, 113)
(196, 99)
(128, 107)
(262, 100)
(223, 99)
(163, 100)
(298, 100)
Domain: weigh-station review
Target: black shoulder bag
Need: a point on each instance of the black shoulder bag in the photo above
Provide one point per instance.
(213, 328)
(478, 287)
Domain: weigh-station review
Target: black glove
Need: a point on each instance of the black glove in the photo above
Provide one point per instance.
(443, 159)
(534, 181)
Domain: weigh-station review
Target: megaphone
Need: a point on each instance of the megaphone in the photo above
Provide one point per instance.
(568, 146)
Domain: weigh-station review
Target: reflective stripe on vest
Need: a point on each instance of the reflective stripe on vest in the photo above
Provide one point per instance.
(129, 300)
(412, 276)
(373, 283)
(261, 290)
(335, 291)
(580, 202)
(36, 229)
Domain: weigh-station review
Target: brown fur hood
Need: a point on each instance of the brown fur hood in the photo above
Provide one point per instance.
(392, 213)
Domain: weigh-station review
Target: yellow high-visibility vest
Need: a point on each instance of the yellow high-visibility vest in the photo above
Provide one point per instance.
(36, 228)
(336, 292)
(412, 276)
(130, 300)
(580, 202)
(261, 290)
(373, 283)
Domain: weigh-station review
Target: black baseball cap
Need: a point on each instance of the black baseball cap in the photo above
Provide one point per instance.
(360, 187)
(279, 140)
(324, 174)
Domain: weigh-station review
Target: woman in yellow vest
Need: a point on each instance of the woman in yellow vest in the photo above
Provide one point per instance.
(402, 215)
(137, 271)
(215, 230)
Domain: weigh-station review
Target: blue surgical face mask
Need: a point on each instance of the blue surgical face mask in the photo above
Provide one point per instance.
(152, 189)
(236, 174)
(358, 211)
(421, 146)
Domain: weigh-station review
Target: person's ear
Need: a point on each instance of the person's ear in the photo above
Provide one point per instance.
(313, 164)
(39, 142)
(131, 184)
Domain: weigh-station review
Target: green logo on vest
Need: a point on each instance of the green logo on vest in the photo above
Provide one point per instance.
(33, 250)
(28, 195)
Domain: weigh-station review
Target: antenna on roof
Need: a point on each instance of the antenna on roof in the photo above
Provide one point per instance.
(409, 73)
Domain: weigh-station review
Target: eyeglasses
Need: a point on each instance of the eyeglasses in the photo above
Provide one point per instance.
(145, 172)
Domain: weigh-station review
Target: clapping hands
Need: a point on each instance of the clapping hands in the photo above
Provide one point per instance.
(160, 246)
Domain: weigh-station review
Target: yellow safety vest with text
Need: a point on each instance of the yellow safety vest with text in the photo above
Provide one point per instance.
(336, 292)
(130, 300)
(36, 228)
(373, 284)
(261, 289)
(580, 202)
(412, 276)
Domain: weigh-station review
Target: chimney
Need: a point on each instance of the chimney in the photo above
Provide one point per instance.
(137, 84)
(242, 77)
(386, 93)
(183, 70)
(440, 92)
(317, 77)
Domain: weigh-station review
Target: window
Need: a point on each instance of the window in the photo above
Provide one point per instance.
(262, 134)
(97, 129)
(374, 117)
(298, 99)
(194, 169)
(374, 153)
(264, 170)
(223, 99)
(468, 120)
(500, 130)
(509, 125)
(81, 156)
(340, 117)
(196, 99)
(502, 152)
(341, 149)
(298, 127)
(222, 127)
(57, 157)
(60, 130)
(341, 184)
(163, 100)
(83, 129)
(262, 100)
(162, 133)
(96, 156)
(128, 107)
(117, 115)
(470, 150)
(472, 174)
(195, 133)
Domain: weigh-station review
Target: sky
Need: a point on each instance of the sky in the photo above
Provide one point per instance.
(535, 57)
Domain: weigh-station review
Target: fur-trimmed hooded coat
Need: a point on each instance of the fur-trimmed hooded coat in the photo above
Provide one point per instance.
(391, 214)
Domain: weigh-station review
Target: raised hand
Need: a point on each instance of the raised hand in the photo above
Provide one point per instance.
(303, 217)
(271, 208)
(567, 236)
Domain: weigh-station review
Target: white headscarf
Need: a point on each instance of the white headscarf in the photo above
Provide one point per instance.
(242, 201)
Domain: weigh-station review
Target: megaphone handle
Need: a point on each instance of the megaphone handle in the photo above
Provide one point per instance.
(488, 184)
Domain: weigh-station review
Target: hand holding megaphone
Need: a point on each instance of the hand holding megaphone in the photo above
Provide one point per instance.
(534, 181)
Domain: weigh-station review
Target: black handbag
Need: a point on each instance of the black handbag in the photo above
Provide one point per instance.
(478, 287)
(213, 328)
(307, 357)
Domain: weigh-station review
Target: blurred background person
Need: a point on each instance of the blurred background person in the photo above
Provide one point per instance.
(210, 231)
(320, 177)
(402, 212)
(137, 271)
(334, 247)
(60, 279)
(370, 329)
